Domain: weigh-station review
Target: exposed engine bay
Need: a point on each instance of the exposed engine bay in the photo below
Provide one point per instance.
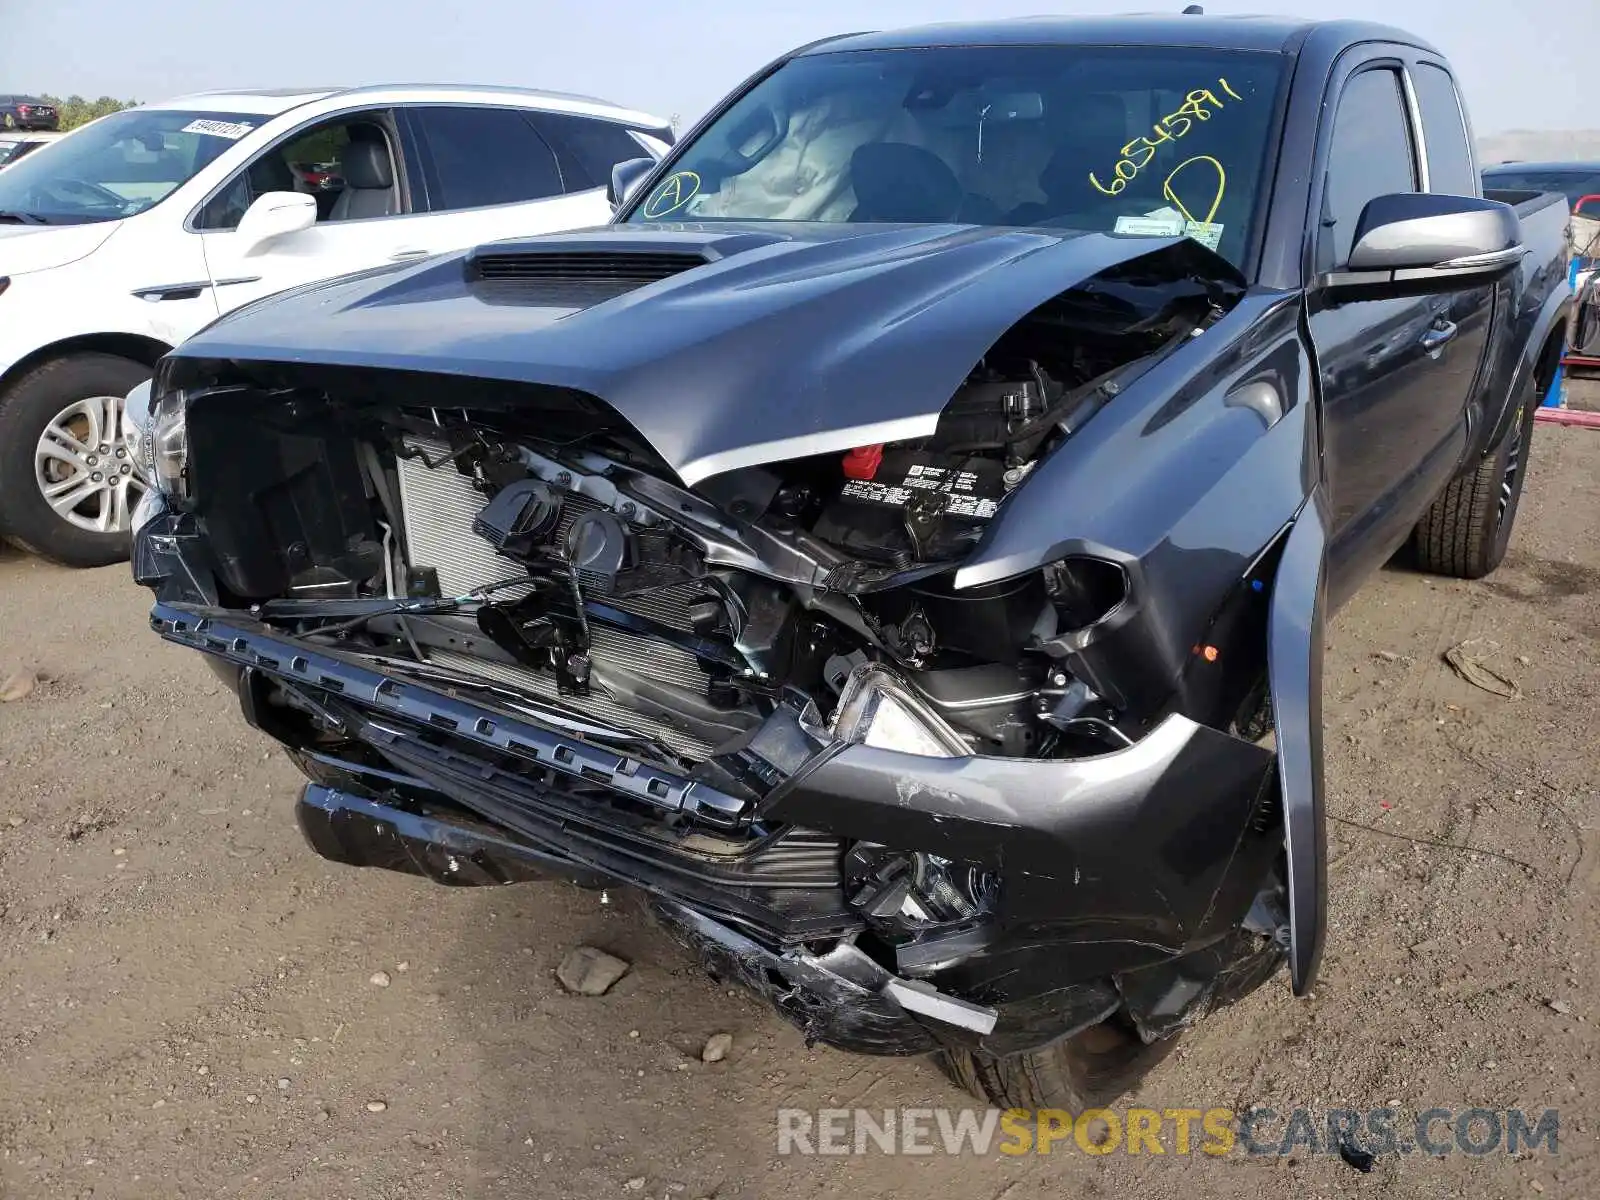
(562, 569)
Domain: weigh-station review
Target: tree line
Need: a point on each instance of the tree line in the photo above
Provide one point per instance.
(75, 110)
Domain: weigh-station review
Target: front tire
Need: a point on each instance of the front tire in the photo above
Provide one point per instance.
(67, 482)
(1087, 1070)
(1466, 531)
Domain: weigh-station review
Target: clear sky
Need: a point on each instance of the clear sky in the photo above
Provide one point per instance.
(1528, 64)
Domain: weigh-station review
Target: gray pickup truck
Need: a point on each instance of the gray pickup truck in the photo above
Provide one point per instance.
(899, 543)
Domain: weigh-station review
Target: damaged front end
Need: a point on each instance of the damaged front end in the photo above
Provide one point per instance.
(960, 738)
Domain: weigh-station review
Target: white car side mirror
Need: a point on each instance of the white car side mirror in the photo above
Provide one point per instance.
(273, 215)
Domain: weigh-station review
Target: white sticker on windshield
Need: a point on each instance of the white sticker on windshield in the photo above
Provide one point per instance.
(1208, 235)
(1151, 226)
(231, 130)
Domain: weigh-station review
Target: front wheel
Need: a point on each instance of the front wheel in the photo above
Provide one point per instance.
(1095, 1066)
(1087, 1070)
(1466, 531)
(67, 481)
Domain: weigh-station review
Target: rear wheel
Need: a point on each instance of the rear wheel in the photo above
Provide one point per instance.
(1466, 532)
(67, 482)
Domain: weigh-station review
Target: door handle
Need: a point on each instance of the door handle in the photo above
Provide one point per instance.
(403, 255)
(1440, 334)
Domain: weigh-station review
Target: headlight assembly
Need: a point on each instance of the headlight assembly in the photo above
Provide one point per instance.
(158, 437)
(877, 708)
(136, 429)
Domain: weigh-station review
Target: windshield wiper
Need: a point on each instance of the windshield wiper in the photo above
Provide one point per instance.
(24, 218)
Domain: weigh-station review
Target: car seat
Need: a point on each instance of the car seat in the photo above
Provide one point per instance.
(896, 181)
(368, 177)
(1093, 142)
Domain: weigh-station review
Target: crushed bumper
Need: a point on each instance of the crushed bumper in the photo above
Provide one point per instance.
(1117, 871)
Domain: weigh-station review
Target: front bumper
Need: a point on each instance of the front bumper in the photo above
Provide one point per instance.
(838, 997)
(1118, 871)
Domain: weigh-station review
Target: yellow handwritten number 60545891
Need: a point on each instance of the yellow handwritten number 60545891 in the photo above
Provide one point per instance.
(1136, 155)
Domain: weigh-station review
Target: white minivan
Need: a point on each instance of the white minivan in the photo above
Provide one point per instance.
(120, 241)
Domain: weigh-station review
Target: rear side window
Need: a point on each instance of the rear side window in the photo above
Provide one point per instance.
(588, 148)
(1444, 132)
(482, 156)
(1370, 156)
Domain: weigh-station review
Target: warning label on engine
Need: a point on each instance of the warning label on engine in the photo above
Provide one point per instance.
(960, 489)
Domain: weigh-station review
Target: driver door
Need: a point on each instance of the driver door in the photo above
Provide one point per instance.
(353, 167)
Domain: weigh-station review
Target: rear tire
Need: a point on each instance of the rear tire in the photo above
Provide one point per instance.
(1466, 531)
(97, 531)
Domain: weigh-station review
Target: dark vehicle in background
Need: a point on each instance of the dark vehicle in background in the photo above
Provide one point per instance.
(900, 543)
(1575, 180)
(27, 112)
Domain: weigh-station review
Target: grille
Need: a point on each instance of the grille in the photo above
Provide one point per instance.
(438, 506)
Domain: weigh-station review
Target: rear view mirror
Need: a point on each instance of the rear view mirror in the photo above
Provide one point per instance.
(1416, 242)
(273, 215)
(626, 176)
(1015, 106)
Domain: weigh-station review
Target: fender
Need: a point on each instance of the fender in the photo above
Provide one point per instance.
(1552, 318)
(1294, 669)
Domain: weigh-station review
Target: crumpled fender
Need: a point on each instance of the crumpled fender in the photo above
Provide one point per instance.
(1294, 662)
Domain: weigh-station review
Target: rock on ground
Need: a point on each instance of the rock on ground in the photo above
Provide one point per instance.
(590, 972)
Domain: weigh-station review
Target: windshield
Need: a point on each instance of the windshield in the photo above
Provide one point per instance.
(117, 166)
(1152, 141)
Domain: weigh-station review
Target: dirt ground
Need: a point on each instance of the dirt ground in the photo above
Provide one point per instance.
(186, 1005)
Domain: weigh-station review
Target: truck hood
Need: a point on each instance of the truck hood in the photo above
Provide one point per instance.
(724, 345)
(25, 248)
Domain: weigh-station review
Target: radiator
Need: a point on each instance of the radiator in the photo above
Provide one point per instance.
(437, 507)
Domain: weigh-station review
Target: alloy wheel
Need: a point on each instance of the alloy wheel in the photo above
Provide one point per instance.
(84, 469)
(1508, 480)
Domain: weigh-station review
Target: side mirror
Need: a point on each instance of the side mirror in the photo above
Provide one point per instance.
(1416, 242)
(625, 177)
(273, 215)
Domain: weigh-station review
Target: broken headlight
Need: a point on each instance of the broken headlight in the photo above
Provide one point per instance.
(156, 429)
(877, 708)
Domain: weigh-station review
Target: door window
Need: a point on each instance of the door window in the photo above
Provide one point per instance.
(1370, 156)
(1444, 132)
(587, 148)
(477, 157)
(347, 165)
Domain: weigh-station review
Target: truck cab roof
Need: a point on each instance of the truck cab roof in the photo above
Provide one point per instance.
(1265, 33)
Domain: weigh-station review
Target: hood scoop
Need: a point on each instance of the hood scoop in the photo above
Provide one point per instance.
(552, 275)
